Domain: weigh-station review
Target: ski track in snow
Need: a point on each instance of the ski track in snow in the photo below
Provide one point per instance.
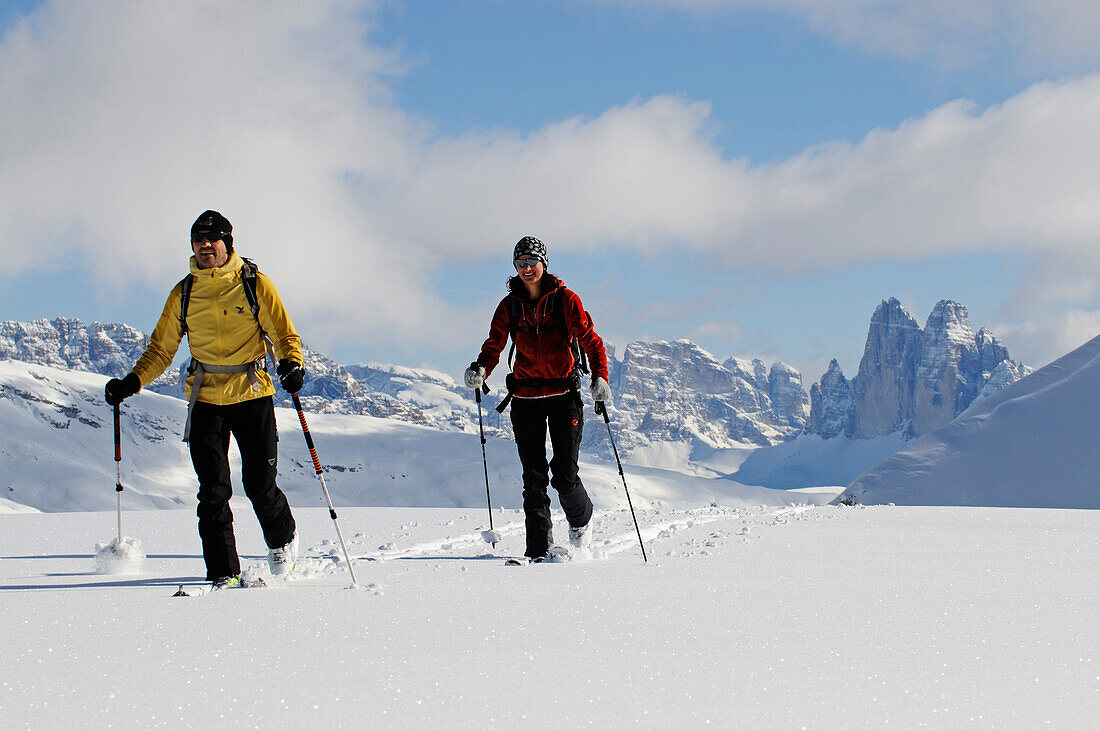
(665, 533)
(613, 533)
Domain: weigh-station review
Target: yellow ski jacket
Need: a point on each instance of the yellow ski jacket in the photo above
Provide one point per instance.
(221, 330)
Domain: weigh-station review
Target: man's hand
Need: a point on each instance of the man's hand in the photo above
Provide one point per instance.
(291, 375)
(119, 389)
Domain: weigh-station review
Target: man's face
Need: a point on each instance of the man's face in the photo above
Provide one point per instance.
(209, 253)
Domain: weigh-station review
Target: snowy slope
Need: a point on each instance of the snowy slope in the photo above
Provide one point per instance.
(60, 457)
(1033, 444)
(775, 617)
(811, 460)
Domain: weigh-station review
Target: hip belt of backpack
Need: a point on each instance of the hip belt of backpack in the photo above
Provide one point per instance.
(198, 369)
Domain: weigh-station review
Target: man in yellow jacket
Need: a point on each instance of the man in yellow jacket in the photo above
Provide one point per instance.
(229, 391)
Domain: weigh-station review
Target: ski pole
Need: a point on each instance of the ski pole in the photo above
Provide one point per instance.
(324, 487)
(118, 471)
(484, 459)
(601, 408)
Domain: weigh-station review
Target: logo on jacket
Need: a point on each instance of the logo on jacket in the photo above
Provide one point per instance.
(576, 422)
(240, 310)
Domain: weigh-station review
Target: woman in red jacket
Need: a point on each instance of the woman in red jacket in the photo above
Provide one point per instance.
(544, 320)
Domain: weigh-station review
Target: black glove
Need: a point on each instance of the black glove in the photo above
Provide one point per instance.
(118, 389)
(291, 374)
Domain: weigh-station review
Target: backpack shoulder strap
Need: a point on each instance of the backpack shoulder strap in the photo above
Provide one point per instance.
(185, 297)
(514, 316)
(557, 311)
(248, 279)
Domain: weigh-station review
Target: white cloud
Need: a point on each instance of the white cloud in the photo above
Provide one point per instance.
(1016, 177)
(1040, 340)
(716, 331)
(133, 117)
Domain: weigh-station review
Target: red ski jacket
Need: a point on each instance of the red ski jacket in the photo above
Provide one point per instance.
(541, 350)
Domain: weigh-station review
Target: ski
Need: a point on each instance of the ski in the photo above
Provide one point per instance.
(556, 554)
(245, 582)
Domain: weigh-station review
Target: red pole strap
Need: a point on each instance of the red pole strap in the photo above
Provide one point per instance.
(308, 436)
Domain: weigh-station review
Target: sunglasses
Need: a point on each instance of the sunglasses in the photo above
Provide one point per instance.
(211, 236)
(528, 262)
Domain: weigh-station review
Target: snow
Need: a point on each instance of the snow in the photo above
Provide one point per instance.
(1033, 444)
(757, 617)
(757, 607)
(811, 460)
(121, 556)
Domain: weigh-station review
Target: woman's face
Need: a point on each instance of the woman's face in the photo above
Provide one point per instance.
(530, 269)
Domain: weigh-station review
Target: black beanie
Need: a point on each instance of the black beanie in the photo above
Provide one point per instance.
(216, 222)
(530, 246)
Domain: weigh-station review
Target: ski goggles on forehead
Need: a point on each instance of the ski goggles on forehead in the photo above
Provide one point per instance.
(526, 262)
(200, 236)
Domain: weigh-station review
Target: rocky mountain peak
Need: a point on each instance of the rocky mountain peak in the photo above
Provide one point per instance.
(912, 379)
(831, 411)
(66, 343)
(677, 391)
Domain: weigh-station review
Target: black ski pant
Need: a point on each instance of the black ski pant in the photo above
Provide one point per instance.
(565, 417)
(252, 424)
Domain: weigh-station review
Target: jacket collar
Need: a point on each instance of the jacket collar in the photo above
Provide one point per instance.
(550, 284)
(229, 268)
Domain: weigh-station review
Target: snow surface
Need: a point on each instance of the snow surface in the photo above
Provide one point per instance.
(1033, 444)
(754, 610)
(121, 556)
(746, 617)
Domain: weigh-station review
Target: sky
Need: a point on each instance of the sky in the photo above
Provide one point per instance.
(754, 176)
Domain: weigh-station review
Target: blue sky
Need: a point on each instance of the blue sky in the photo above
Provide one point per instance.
(776, 88)
(757, 181)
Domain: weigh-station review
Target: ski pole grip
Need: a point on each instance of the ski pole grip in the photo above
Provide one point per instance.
(484, 387)
(118, 437)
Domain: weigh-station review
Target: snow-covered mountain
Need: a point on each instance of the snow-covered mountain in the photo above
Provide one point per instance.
(65, 343)
(674, 404)
(57, 455)
(663, 392)
(416, 396)
(678, 392)
(1032, 444)
(912, 380)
